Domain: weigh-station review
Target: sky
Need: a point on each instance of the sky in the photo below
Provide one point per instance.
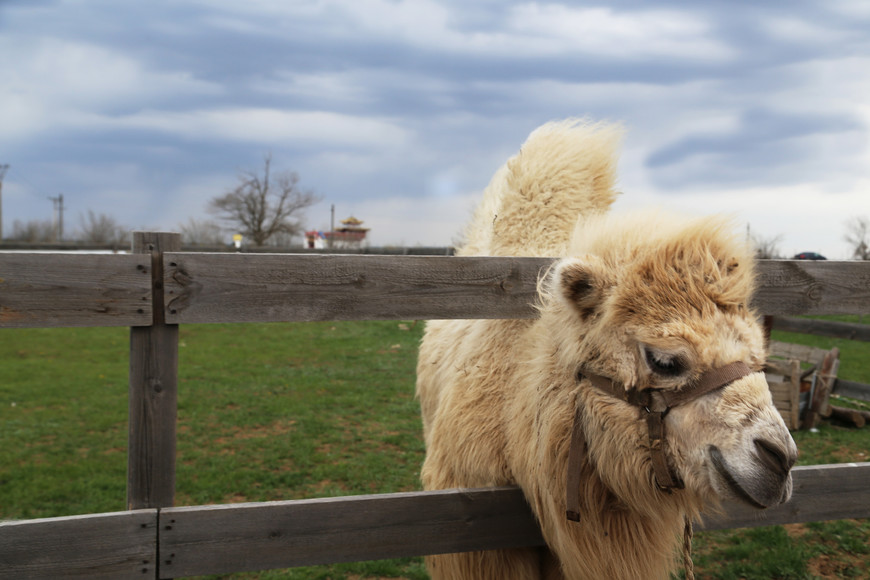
(399, 111)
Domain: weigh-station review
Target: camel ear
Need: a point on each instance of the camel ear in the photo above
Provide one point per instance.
(582, 282)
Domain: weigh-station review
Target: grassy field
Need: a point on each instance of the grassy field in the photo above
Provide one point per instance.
(285, 411)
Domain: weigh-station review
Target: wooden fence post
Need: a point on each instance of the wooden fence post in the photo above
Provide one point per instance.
(153, 390)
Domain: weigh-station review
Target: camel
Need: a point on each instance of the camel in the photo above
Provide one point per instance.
(637, 309)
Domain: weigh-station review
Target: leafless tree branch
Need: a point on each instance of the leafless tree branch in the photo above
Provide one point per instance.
(263, 205)
(858, 236)
(101, 229)
(767, 248)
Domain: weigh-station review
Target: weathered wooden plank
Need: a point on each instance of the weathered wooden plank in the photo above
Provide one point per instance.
(244, 287)
(831, 328)
(153, 392)
(813, 287)
(229, 538)
(853, 416)
(800, 352)
(852, 389)
(821, 492)
(51, 290)
(285, 287)
(824, 382)
(258, 536)
(782, 400)
(113, 546)
(111, 290)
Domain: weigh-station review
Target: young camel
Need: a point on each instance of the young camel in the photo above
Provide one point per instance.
(639, 305)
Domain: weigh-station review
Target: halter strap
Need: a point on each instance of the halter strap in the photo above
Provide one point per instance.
(656, 403)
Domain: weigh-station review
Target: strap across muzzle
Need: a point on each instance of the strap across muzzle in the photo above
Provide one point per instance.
(655, 404)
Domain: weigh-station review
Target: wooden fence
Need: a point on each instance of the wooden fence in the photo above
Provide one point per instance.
(832, 329)
(156, 288)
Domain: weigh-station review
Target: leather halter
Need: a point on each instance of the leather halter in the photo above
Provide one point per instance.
(656, 403)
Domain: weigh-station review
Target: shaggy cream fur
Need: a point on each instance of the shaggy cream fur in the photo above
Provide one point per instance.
(647, 300)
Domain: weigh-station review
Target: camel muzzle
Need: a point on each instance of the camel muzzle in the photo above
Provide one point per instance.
(761, 488)
(655, 404)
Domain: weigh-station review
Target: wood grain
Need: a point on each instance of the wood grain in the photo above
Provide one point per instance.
(45, 290)
(257, 536)
(287, 287)
(231, 538)
(54, 290)
(153, 391)
(284, 287)
(813, 287)
(113, 546)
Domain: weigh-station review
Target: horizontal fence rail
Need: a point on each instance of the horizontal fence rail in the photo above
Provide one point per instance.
(246, 288)
(262, 288)
(45, 290)
(829, 328)
(852, 389)
(345, 529)
(812, 287)
(51, 290)
(113, 546)
(223, 539)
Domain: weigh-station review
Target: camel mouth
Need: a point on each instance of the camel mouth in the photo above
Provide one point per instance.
(731, 481)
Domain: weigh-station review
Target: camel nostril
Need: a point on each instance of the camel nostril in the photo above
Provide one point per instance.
(774, 457)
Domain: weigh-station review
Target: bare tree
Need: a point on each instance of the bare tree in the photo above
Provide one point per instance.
(858, 236)
(33, 231)
(263, 205)
(767, 248)
(201, 233)
(101, 229)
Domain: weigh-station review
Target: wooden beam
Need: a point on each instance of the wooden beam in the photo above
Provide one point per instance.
(46, 290)
(856, 417)
(801, 352)
(852, 389)
(53, 290)
(291, 287)
(258, 536)
(821, 492)
(112, 546)
(813, 287)
(153, 393)
(229, 538)
(286, 287)
(831, 328)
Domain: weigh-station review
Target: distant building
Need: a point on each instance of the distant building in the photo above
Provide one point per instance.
(350, 235)
(315, 240)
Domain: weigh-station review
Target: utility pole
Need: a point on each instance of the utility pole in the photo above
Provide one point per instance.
(60, 209)
(57, 216)
(3, 168)
(331, 237)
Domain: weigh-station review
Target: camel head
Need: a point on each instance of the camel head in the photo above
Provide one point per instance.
(655, 303)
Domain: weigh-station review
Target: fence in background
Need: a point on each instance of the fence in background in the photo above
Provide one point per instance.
(157, 287)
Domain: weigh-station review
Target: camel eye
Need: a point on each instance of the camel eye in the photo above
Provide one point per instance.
(667, 365)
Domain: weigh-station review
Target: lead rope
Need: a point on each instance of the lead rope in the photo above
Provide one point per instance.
(688, 565)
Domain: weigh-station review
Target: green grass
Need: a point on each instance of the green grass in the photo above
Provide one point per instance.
(286, 411)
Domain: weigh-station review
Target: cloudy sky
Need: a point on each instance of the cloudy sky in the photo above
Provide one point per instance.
(399, 111)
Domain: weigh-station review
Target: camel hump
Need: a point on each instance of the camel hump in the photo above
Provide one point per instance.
(564, 171)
